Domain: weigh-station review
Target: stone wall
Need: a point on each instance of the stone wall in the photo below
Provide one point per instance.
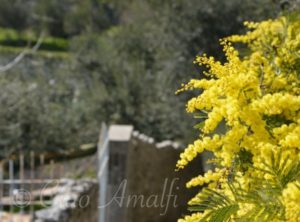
(76, 201)
(151, 174)
(146, 188)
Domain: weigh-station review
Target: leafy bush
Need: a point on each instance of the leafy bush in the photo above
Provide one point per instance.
(257, 98)
(139, 64)
(43, 111)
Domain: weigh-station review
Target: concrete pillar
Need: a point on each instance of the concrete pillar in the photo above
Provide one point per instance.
(119, 142)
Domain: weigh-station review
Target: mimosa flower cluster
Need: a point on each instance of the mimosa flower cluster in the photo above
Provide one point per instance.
(254, 97)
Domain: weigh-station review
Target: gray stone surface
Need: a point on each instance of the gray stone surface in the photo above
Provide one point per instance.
(76, 201)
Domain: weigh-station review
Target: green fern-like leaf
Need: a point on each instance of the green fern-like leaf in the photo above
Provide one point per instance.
(220, 207)
(224, 213)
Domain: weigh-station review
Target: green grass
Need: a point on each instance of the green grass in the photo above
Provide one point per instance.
(12, 38)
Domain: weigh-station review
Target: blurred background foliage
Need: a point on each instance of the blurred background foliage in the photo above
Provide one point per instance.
(123, 60)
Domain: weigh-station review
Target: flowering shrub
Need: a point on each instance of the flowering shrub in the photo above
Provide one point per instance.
(256, 98)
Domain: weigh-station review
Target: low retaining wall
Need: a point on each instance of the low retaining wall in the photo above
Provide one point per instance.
(157, 192)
